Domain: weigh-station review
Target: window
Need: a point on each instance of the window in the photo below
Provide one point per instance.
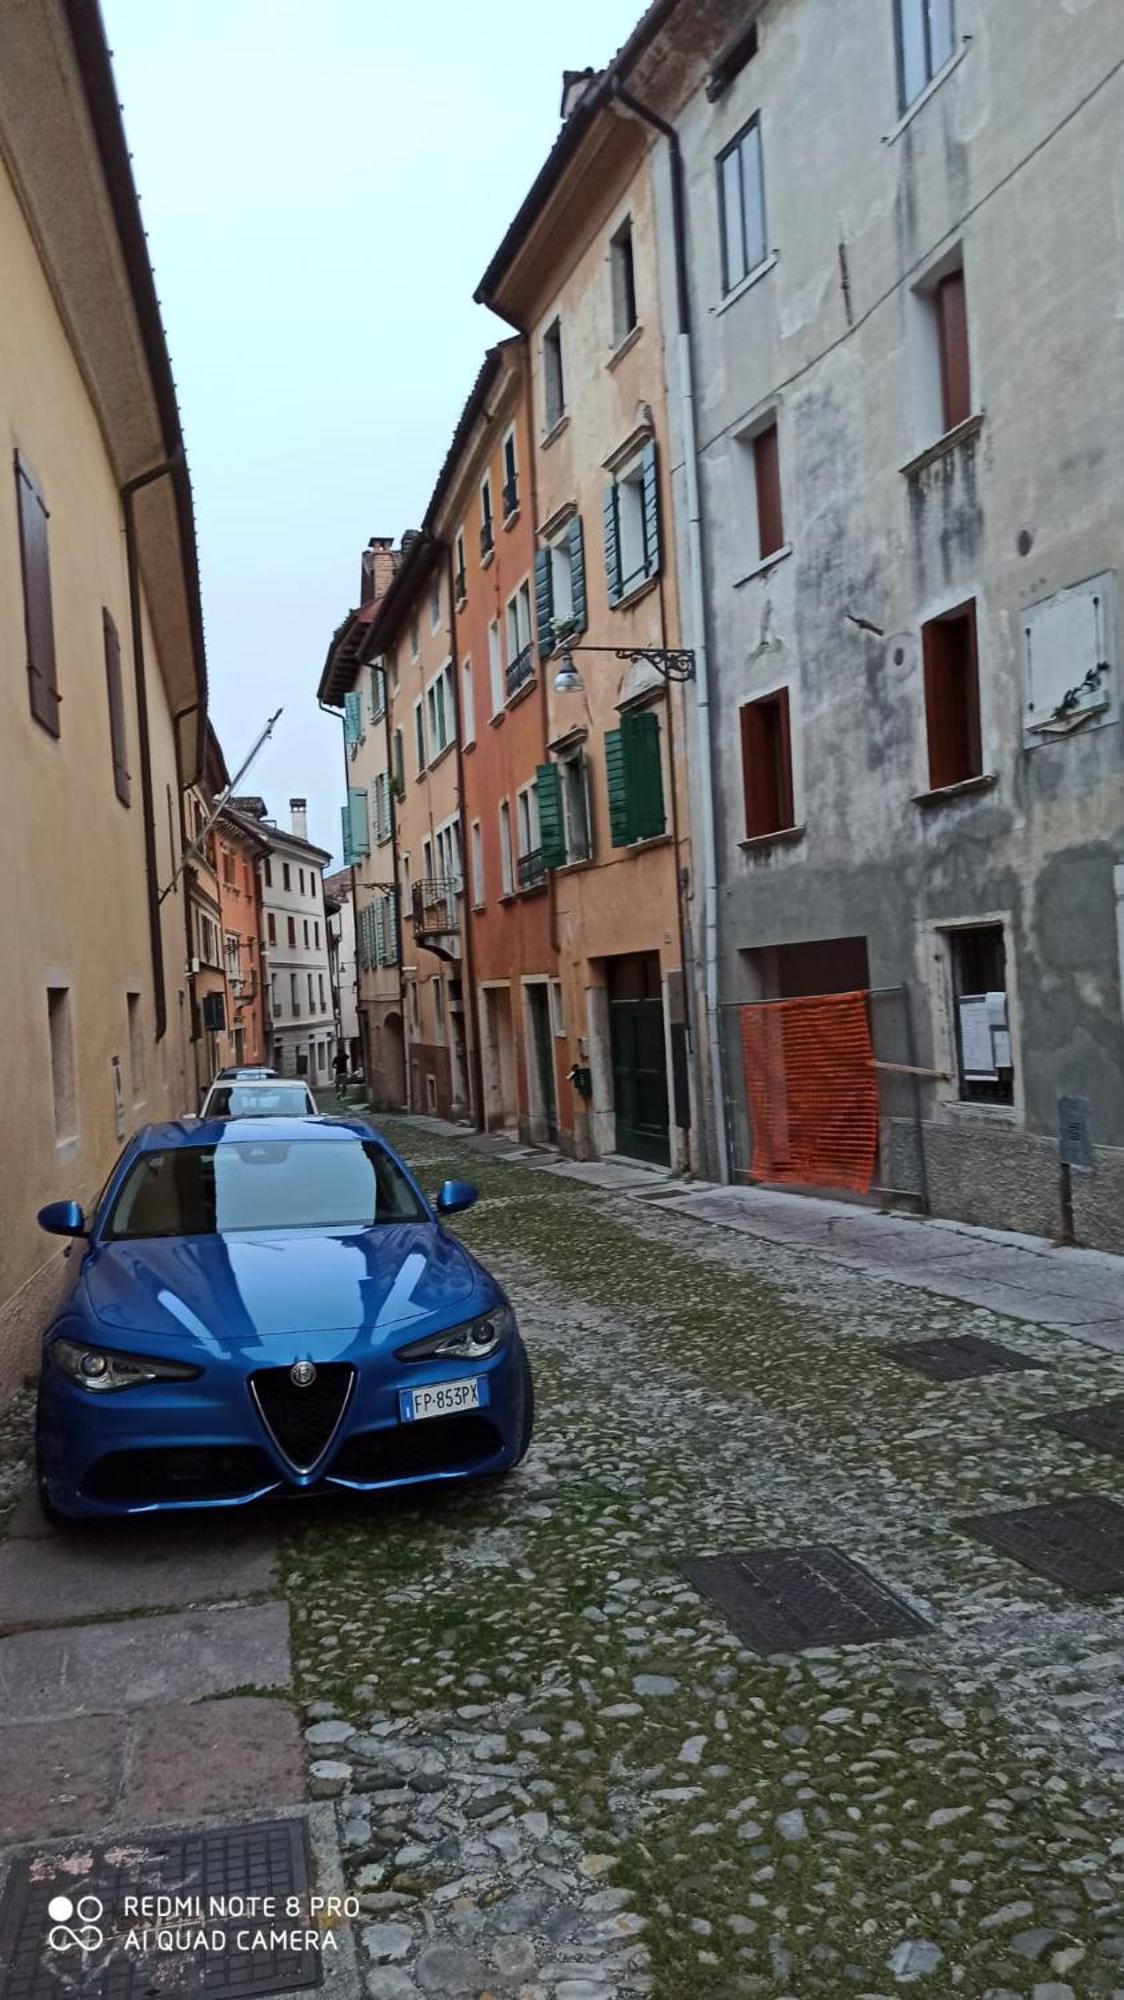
(377, 693)
(274, 996)
(285, 875)
(311, 994)
(116, 696)
(767, 765)
(294, 995)
(460, 580)
(449, 853)
(267, 872)
(487, 530)
(292, 922)
(925, 37)
(439, 711)
(419, 734)
(554, 388)
(632, 526)
(952, 697)
(477, 849)
(560, 601)
(495, 666)
(635, 779)
(300, 873)
(380, 811)
(468, 710)
(507, 880)
(531, 870)
(136, 1045)
(435, 604)
(399, 762)
(408, 907)
(233, 949)
(623, 276)
(323, 1003)
(951, 308)
(415, 639)
(212, 1190)
(38, 617)
(942, 376)
(984, 1060)
(228, 867)
(510, 478)
(562, 805)
(316, 935)
(61, 1032)
(520, 651)
(741, 202)
(271, 927)
(306, 933)
(758, 478)
(438, 1008)
(557, 1011)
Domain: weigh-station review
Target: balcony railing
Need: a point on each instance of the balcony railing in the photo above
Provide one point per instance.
(530, 869)
(510, 498)
(435, 904)
(487, 539)
(520, 670)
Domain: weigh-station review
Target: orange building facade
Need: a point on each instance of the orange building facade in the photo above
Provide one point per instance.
(238, 849)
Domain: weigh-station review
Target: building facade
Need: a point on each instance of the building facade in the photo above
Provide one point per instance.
(343, 966)
(209, 994)
(240, 848)
(101, 632)
(904, 386)
(300, 1020)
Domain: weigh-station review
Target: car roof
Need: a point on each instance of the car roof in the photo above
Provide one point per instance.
(225, 1131)
(257, 1083)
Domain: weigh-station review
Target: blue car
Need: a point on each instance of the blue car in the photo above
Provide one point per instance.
(270, 1306)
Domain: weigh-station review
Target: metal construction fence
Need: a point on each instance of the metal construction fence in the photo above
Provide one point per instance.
(824, 1092)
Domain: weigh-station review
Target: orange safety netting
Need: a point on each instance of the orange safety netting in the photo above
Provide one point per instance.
(812, 1092)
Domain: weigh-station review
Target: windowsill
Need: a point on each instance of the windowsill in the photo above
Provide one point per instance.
(785, 836)
(495, 720)
(653, 840)
(527, 687)
(65, 1149)
(487, 561)
(477, 907)
(460, 602)
(968, 1109)
(983, 782)
(470, 745)
(933, 85)
(509, 520)
(959, 434)
(572, 867)
(441, 755)
(535, 888)
(766, 563)
(625, 345)
(638, 591)
(745, 284)
(509, 896)
(556, 430)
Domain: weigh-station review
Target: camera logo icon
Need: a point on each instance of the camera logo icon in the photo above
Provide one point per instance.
(75, 1926)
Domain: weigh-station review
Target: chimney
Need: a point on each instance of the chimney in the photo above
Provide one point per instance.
(298, 812)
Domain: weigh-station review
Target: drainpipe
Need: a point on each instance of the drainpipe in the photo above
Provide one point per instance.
(398, 916)
(476, 1077)
(697, 598)
(136, 626)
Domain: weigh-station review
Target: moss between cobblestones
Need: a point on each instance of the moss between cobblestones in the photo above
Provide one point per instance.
(16, 1428)
(688, 1402)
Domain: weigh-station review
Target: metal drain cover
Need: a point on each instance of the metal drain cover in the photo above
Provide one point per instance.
(1078, 1543)
(960, 1357)
(70, 1930)
(1098, 1424)
(782, 1600)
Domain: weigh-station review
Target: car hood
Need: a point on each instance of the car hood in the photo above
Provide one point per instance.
(222, 1291)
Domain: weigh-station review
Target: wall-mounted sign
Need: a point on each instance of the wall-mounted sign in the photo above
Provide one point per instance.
(1075, 1138)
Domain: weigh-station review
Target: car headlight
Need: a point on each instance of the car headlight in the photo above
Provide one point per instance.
(100, 1371)
(470, 1342)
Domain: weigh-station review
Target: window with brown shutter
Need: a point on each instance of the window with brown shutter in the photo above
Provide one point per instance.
(767, 765)
(950, 301)
(39, 626)
(767, 476)
(952, 697)
(116, 695)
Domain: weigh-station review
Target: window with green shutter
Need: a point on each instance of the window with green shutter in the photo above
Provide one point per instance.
(380, 932)
(610, 522)
(352, 718)
(619, 833)
(544, 601)
(579, 616)
(552, 836)
(348, 856)
(635, 779)
(632, 526)
(360, 829)
(391, 929)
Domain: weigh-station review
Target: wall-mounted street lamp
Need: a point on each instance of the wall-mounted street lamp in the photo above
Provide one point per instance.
(672, 663)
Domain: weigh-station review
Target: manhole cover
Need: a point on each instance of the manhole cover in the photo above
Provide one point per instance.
(89, 1923)
(960, 1357)
(782, 1600)
(1078, 1543)
(1098, 1424)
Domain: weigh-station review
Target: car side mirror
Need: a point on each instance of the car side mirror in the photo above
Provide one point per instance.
(454, 1195)
(62, 1218)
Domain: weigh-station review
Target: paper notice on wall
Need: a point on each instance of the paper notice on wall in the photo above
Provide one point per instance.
(996, 1009)
(976, 1052)
(1001, 1048)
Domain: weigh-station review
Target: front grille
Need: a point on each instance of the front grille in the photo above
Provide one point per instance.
(186, 1472)
(413, 1451)
(303, 1422)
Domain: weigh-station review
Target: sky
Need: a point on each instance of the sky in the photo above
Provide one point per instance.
(323, 183)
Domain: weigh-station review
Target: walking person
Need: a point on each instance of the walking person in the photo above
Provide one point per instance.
(339, 1065)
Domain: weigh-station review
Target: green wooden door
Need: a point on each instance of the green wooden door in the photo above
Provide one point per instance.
(639, 1052)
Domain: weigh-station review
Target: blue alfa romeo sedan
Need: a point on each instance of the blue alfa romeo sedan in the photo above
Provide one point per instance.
(270, 1305)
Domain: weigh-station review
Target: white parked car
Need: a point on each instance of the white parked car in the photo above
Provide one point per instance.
(254, 1098)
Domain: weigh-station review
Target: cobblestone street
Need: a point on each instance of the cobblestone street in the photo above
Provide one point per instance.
(558, 1770)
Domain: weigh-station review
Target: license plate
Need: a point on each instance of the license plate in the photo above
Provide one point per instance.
(441, 1399)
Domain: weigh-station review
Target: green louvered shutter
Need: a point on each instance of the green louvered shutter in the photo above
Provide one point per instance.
(640, 736)
(544, 602)
(611, 523)
(392, 928)
(352, 718)
(380, 932)
(552, 835)
(360, 829)
(619, 832)
(651, 511)
(348, 856)
(579, 615)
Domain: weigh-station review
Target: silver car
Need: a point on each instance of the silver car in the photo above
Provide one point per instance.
(280, 1098)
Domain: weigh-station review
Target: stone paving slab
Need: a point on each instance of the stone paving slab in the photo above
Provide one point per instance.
(143, 1566)
(127, 1663)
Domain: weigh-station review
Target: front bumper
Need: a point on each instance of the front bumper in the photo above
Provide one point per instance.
(171, 1447)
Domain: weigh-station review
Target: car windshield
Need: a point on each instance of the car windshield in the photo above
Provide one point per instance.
(267, 1184)
(258, 1100)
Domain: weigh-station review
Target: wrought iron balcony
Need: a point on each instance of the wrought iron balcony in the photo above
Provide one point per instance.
(530, 869)
(510, 498)
(520, 670)
(436, 920)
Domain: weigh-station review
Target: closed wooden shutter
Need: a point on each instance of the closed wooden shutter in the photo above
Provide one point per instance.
(952, 698)
(544, 602)
(352, 718)
(640, 736)
(612, 535)
(116, 696)
(392, 928)
(619, 834)
(767, 475)
(348, 855)
(579, 615)
(360, 830)
(651, 504)
(39, 626)
(552, 838)
(952, 323)
(767, 765)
